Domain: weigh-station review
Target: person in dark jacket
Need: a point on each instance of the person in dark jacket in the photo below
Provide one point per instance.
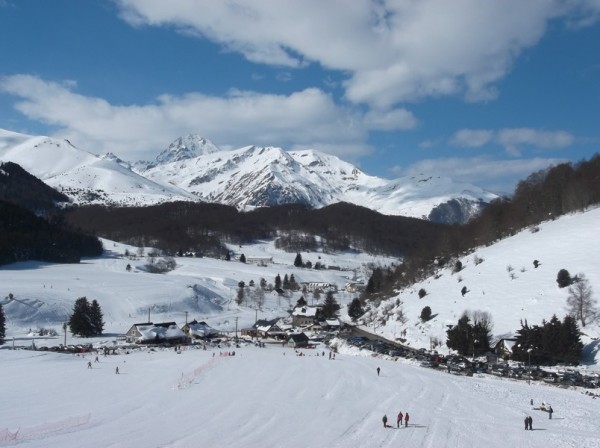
(550, 411)
(406, 417)
(384, 421)
(399, 420)
(526, 423)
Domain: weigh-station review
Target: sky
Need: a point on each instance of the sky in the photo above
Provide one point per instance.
(482, 91)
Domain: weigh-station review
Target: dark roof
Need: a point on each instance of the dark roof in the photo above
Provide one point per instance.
(299, 337)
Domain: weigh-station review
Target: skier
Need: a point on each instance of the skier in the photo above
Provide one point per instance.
(117, 370)
(406, 417)
(89, 364)
(530, 420)
(550, 411)
(399, 419)
(526, 423)
(378, 369)
(384, 421)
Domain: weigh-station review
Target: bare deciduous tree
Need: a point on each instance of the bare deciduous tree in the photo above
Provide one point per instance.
(580, 301)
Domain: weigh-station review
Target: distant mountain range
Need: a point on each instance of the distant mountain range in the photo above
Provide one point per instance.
(194, 169)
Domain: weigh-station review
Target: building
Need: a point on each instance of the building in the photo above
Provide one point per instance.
(151, 333)
(297, 340)
(303, 316)
(198, 330)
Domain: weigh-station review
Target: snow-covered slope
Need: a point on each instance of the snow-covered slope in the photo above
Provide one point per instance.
(269, 397)
(83, 176)
(502, 280)
(193, 168)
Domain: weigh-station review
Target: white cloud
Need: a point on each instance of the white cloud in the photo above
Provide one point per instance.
(308, 118)
(391, 50)
(513, 139)
(496, 175)
(472, 138)
(390, 120)
(534, 137)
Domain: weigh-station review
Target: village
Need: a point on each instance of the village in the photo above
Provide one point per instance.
(304, 328)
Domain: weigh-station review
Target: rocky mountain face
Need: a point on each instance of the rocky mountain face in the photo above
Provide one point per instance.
(194, 169)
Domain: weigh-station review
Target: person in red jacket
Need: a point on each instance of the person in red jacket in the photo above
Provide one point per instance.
(406, 417)
(399, 420)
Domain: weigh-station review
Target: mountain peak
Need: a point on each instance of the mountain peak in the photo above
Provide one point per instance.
(187, 147)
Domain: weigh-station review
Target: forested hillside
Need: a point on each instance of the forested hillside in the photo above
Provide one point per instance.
(203, 228)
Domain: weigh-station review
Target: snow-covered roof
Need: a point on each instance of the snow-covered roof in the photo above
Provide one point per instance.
(307, 311)
(153, 332)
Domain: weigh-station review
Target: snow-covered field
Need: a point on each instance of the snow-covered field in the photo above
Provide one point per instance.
(269, 397)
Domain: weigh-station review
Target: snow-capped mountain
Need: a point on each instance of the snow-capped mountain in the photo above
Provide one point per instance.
(264, 176)
(193, 168)
(83, 176)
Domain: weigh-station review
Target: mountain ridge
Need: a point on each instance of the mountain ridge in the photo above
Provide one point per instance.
(193, 168)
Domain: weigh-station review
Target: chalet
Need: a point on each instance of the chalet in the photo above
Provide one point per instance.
(303, 316)
(297, 340)
(198, 330)
(274, 328)
(151, 333)
(503, 346)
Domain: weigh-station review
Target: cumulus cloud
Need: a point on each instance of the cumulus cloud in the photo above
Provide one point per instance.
(307, 118)
(391, 50)
(513, 139)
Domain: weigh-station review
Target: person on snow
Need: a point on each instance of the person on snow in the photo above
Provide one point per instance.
(530, 419)
(384, 419)
(117, 370)
(89, 364)
(399, 419)
(378, 370)
(550, 411)
(406, 417)
(526, 423)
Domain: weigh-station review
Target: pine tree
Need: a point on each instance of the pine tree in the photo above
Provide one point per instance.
(571, 345)
(277, 282)
(2, 325)
(330, 307)
(96, 318)
(286, 282)
(458, 336)
(292, 284)
(298, 260)
(79, 322)
(355, 309)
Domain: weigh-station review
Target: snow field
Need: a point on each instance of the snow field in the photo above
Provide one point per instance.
(272, 397)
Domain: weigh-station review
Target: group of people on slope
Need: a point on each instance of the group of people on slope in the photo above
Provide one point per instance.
(399, 419)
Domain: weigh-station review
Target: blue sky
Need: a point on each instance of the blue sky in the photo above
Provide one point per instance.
(483, 91)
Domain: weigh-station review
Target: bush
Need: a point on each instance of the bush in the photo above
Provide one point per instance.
(564, 278)
(426, 314)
